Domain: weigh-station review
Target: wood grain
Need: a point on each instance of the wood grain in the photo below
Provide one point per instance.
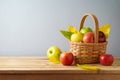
(60, 77)
(36, 68)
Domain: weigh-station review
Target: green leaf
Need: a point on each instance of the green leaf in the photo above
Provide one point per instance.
(66, 34)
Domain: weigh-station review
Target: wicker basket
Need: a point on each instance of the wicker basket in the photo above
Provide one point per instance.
(88, 52)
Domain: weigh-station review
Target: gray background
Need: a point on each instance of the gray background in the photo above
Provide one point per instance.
(30, 27)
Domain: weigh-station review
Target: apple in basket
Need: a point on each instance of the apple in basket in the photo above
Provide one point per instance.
(88, 37)
(66, 58)
(85, 30)
(77, 37)
(102, 37)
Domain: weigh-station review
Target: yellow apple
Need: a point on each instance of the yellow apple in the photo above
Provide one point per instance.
(53, 53)
(77, 37)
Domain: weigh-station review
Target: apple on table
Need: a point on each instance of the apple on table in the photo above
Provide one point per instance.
(106, 59)
(66, 58)
(53, 53)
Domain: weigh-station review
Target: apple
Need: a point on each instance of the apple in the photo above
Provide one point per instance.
(77, 37)
(102, 37)
(85, 30)
(66, 58)
(88, 37)
(106, 59)
(53, 53)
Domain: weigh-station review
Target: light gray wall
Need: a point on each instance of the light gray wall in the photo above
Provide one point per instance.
(30, 27)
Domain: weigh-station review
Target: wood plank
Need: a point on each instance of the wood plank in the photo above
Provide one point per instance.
(41, 65)
(60, 77)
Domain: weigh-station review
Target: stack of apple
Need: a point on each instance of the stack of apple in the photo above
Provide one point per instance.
(86, 35)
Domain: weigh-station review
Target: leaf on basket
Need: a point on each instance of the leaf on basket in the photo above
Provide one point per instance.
(72, 29)
(88, 67)
(66, 34)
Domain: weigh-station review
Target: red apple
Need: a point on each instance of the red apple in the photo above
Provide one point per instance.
(106, 59)
(88, 37)
(66, 58)
(102, 37)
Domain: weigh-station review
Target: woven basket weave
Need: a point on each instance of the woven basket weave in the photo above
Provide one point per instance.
(88, 52)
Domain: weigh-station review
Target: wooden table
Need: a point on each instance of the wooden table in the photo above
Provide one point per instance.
(39, 68)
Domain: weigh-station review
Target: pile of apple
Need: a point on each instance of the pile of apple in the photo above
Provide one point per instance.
(86, 35)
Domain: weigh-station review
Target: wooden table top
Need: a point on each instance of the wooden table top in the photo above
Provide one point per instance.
(41, 65)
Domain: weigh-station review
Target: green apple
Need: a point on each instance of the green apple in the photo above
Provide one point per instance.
(77, 37)
(53, 53)
(85, 30)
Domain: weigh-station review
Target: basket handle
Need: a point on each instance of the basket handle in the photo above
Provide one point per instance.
(96, 25)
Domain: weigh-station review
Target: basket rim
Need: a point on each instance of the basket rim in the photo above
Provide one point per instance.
(81, 43)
